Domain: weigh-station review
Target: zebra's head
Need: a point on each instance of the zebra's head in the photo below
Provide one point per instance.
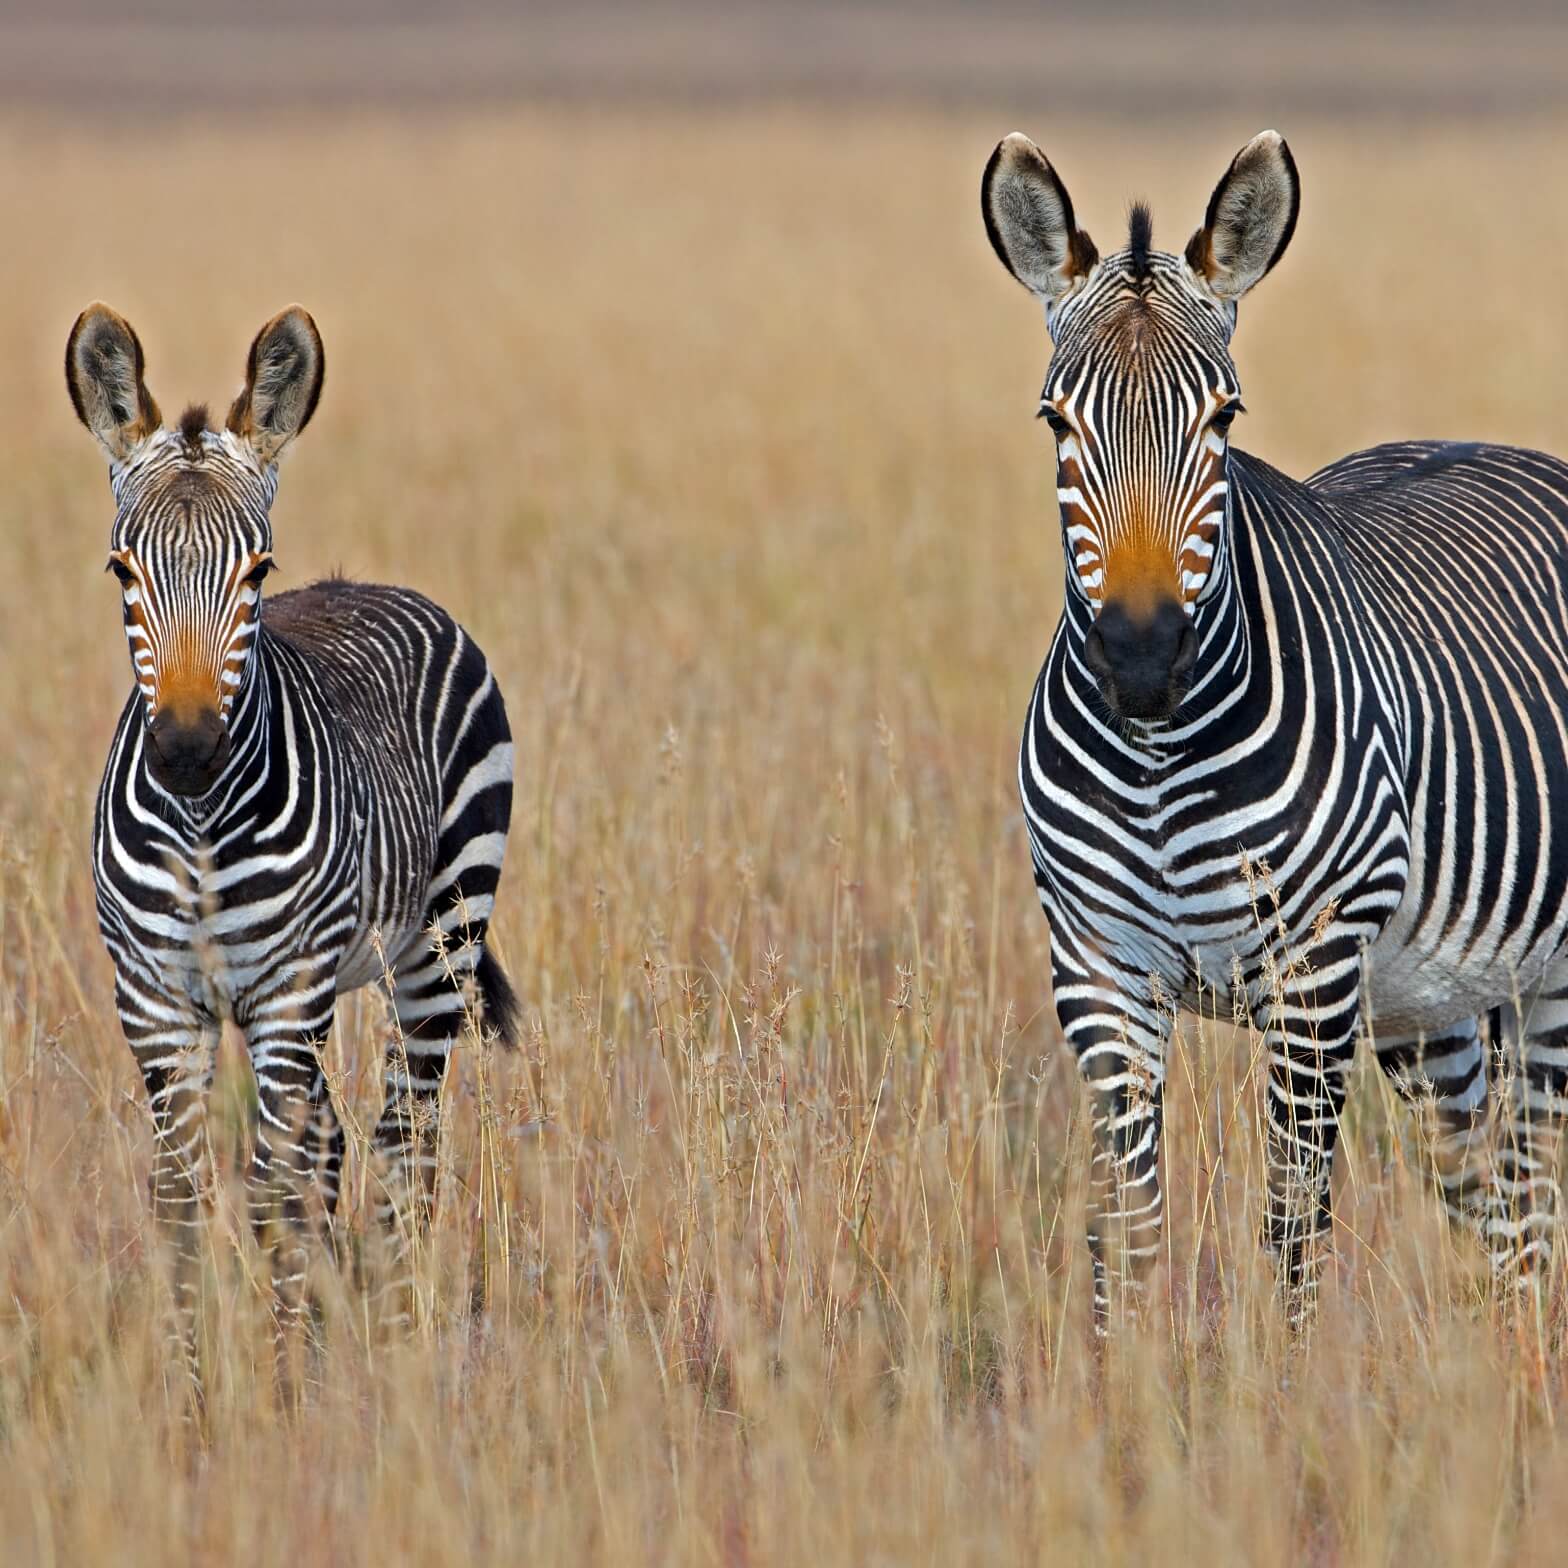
(192, 540)
(1140, 395)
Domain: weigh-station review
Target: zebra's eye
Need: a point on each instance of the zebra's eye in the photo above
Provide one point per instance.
(1225, 417)
(255, 575)
(121, 570)
(1059, 426)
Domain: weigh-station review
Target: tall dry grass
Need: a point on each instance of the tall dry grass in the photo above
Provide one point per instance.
(766, 1246)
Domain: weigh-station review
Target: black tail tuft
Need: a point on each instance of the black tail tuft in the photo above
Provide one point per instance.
(499, 998)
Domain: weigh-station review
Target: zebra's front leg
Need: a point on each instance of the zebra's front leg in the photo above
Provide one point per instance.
(1116, 1034)
(295, 1170)
(175, 1046)
(1309, 1016)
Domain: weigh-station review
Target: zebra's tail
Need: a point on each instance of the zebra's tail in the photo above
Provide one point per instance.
(500, 999)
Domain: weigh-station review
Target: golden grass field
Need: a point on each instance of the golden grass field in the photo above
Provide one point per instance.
(766, 1249)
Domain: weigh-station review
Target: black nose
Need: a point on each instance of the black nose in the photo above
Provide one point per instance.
(1143, 664)
(186, 755)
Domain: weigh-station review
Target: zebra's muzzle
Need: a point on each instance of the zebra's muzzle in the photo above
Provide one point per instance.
(186, 757)
(1143, 666)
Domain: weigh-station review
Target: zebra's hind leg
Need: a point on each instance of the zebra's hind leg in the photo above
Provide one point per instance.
(175, 1047)
(444, 987)
(1525, 1201)
(1443, 1076)
(443, 974)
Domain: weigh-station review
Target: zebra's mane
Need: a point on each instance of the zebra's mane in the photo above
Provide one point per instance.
(1140, 237)
(194, 424)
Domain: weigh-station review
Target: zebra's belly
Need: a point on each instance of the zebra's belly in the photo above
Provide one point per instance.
(1450, 955)
(393, 895)
(1411, 988)
(373, 952)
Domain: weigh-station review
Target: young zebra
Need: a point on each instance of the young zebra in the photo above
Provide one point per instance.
(1269, 760)
(297, 798)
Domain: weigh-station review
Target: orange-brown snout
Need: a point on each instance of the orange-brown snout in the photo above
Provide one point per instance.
(187, 749)
(1143, 663)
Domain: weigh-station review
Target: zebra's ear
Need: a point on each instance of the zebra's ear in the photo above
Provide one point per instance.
(1029, 218)
(1251, 217)
(103, 373)
(283, 378)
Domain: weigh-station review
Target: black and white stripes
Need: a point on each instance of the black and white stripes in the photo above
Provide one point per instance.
(1297, 748)
(300, 797)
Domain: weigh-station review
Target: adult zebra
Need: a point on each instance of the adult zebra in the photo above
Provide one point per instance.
(298, 800)
(1269, 756)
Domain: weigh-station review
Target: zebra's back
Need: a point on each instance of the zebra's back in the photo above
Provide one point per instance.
(1467, 517)
(1461, 553)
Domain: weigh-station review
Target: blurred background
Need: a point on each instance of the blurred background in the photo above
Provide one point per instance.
(665, 347)
(1140, 58)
